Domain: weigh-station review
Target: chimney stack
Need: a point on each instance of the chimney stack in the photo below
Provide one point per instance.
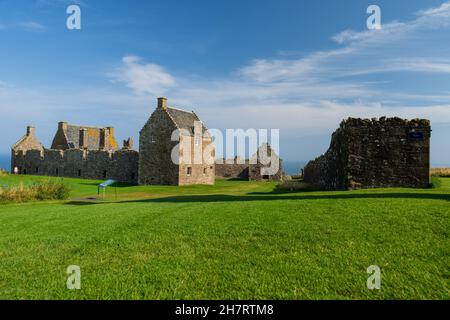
(103, 138)
(62, 125)
(128, 144)
(83, 143)
(162, 103)
(30, 131)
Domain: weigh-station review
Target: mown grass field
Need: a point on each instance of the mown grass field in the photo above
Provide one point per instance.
(235, 240)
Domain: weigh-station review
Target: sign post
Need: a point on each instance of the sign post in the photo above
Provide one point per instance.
(104, 185)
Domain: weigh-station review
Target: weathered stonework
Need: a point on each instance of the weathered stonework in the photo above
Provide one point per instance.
(175, 148)
(265, 164)
(364, 153)
(253, 169)
(28, 156)
(92, 153)
(232, 169)
(28, 141)
(83, 137)
(157, 144)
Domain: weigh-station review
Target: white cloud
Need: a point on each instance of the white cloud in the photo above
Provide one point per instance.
(443, 11)
(31, 26)
(264, 70)
(388, 33)
(304, 118)
(302, 96)
(421, 65)
(428, 19)
(320, 88)
(397, 47)
(143, 78)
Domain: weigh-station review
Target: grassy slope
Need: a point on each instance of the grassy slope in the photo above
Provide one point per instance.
(236, 240)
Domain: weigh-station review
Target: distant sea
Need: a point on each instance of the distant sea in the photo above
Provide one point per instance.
(293, 167)
(5, 160)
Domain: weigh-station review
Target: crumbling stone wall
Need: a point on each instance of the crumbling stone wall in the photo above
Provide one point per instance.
(120, 165)
(256, 172)
(265, 164)
(83, 137)
(255, 169)
(232, 169)
(374, 153)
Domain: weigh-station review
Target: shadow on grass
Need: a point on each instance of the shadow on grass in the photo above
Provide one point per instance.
(275, 197)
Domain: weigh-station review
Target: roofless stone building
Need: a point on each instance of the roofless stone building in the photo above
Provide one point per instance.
(263, 165)
(374, 153)
(84, 137)
(77, 152)
(87, 152)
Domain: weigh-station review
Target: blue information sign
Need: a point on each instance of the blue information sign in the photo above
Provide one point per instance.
(415, 135)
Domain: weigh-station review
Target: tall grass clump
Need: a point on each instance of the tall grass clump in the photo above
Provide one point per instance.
(40, 191)
(3, 173)
(52, 191)
(440, 172)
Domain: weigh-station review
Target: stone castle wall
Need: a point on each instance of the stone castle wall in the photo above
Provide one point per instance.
(119, 165)
(249, 170)
(231, 169)
(255, 172)
(389, 152)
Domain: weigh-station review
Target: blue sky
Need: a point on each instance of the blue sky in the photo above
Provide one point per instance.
(297, 66)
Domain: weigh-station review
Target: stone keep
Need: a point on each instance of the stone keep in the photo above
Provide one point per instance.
(374, 153)
(175, 134)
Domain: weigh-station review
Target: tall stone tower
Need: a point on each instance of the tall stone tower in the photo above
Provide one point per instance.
(169, 147)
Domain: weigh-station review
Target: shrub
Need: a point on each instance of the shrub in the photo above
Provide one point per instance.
(440, 172)
(18, 193)
(52, 191)
(40, 191)
(3, 173)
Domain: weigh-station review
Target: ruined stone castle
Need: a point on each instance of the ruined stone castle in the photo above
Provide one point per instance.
(93, 153)
(374, 153)
(175, 148)
(252, 169)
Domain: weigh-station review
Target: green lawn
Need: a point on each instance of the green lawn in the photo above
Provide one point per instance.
(235, 240)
